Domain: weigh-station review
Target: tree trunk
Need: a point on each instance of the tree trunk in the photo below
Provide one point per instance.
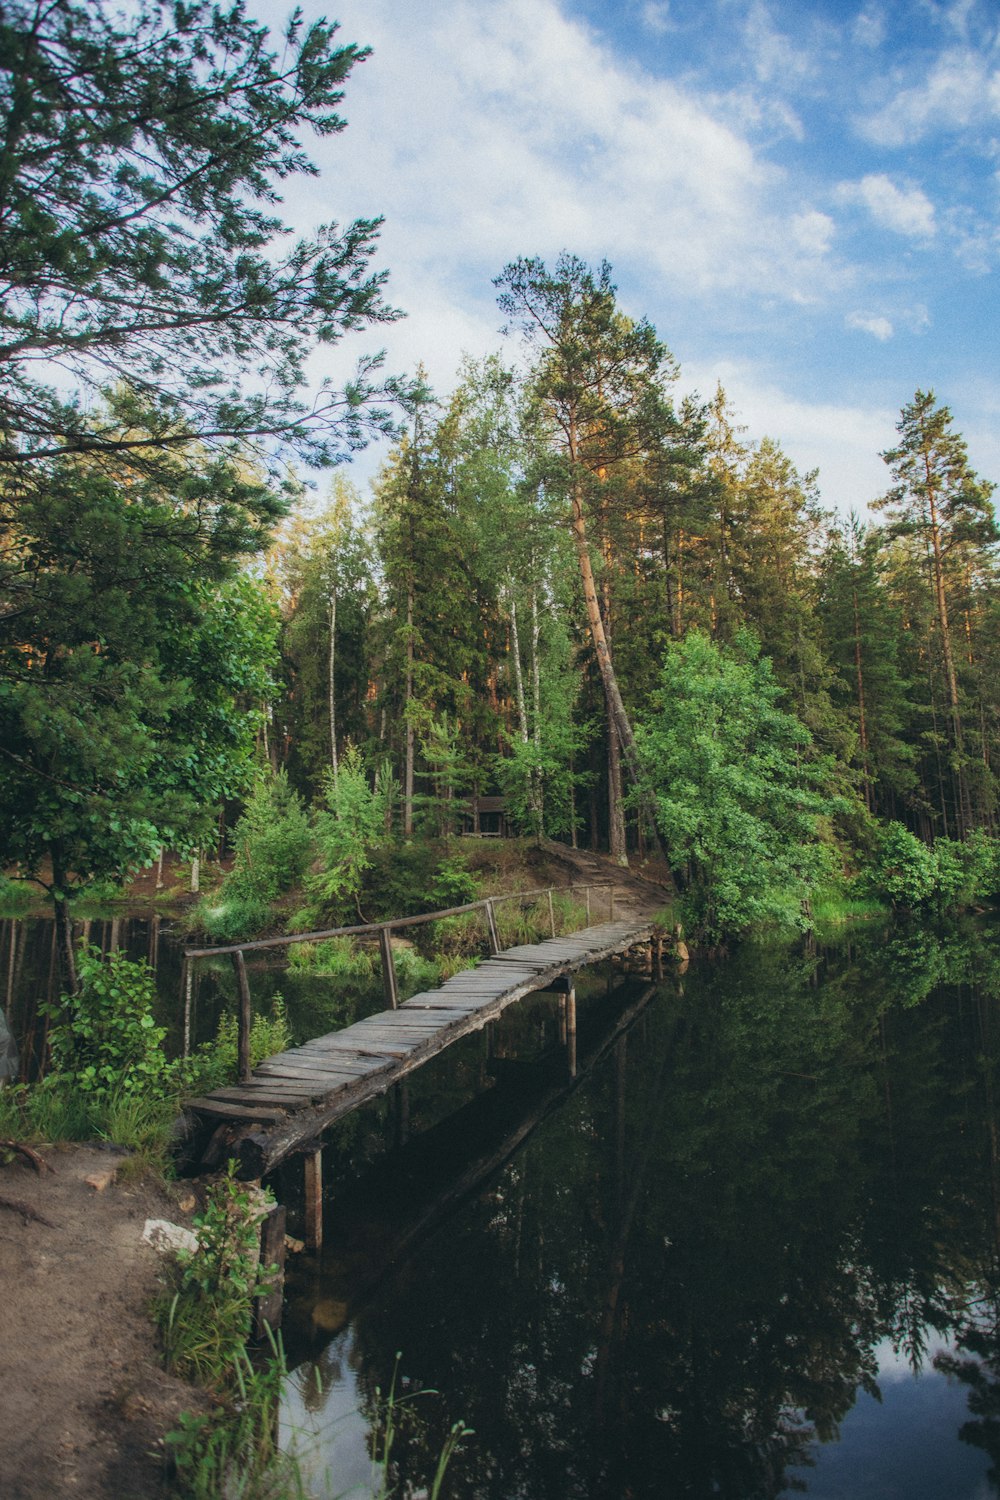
(410, 734)
(963, 809)
(331, 701)
(862, 723)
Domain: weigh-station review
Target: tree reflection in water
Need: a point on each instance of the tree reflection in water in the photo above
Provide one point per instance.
(679, 1283)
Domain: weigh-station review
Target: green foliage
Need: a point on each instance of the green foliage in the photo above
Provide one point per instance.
(335, 958)
(232, 1450)
(104, 1041)
(206, 1320)
(948, 875)
(139, 231)
(738, 801)
(399, 876)
(133, 662)
(348, 829)
(216, 1062)
(273, 845)
(454, 883)
(16, 897)
(227, 921)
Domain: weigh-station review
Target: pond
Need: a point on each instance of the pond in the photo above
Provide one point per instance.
(750, 1248)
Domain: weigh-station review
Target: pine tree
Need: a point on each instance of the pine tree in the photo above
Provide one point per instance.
(942, 507)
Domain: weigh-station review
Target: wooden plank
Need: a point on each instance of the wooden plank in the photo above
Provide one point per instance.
(235, 1111)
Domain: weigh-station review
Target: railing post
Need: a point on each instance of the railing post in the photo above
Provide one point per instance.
(611, 918)
(587, 893)
(552, 912)
(243, 992)
(388, 968)
(491, 927)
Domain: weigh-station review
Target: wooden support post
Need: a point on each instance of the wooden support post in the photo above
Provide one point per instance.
(571, 1031)
(552, 913)
(243, 994)
(313, 1165)
(588, 905)
(611, 917)
(267, 1308)
(491, 927)
(562, 1020)
(388, 968)
(658, 956)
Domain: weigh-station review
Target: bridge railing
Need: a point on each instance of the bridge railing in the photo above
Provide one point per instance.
(383, 930)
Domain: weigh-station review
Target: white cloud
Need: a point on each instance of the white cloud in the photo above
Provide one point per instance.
(959, 91)
(868, 29)
(907, 210)
(813, 231)
(520, 133)
(879, 327)
(773, 55)
(656, 16)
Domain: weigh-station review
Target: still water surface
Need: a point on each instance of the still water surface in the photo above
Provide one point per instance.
(752, 1250)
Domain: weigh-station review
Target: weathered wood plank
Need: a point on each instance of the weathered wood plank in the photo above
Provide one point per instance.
(231, 1111)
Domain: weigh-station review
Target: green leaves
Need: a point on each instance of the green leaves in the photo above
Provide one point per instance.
(104, 1041)
(738, 799)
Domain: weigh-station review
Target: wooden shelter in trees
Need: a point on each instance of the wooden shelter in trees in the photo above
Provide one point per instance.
(485, 818)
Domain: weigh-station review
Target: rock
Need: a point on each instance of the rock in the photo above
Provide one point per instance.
(167, 1238)
(100, 1180)
(294, 1246)
(187, 1204)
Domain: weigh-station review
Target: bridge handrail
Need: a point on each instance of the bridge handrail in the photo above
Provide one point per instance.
(391, 923)
(383, 929)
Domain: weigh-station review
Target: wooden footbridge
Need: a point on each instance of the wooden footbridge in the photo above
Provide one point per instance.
(285, 1103)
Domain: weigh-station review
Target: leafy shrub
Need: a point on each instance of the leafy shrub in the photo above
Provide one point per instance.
(273, 845)
(16, 896)
(350, 827)
(398, 879)
(949, 874)
(454, 883)
(205, 1323)
(105, 1040)
(228, 919)
(738, 789)
(215, 1063)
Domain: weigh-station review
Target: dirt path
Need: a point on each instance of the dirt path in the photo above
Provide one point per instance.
(84, 1404)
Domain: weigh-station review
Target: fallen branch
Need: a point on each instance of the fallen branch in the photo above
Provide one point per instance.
(38, 1162)
(18, 1206)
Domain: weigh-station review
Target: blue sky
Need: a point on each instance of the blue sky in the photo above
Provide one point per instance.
(803, 199)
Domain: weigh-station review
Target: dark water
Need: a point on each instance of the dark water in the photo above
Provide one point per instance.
(30, 980)
(752, 1250)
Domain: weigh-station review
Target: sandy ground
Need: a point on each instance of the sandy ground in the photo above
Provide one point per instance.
(84, 1404)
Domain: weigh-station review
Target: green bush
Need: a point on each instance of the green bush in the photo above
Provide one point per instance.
(206, 1321)
(950, 874)
(273, 845)
(454, 883)
(215, 1063)
(104, 1041)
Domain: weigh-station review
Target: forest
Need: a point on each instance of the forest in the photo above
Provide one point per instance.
(611, 616)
